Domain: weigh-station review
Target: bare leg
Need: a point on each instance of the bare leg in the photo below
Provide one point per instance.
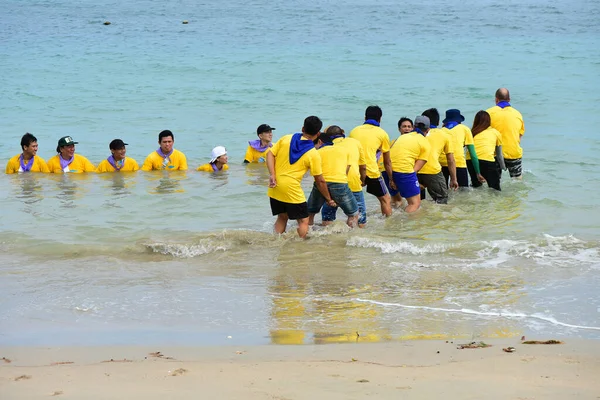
(386, 206)
(302, 227)
(311, 219)
(396, 200)
(413, 203)
(352, 221)
(281, 223)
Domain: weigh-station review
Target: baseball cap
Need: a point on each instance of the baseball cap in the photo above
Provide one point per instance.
(423, 121)
(65, 141)
(264, 128)
(117, 144)
(217, 152)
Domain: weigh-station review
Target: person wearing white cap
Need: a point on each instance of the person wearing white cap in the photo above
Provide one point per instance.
(218, 161)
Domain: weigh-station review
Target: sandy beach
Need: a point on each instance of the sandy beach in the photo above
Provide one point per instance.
(408, 370)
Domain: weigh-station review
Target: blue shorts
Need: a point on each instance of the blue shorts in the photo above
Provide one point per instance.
(339, 192)
(386, 178)
(407, 184)
(328, 212)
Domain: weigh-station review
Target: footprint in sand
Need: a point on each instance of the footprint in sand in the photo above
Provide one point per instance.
(22, 377)
(179, 371)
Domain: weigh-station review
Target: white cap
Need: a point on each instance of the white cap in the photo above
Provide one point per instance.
(217, 152)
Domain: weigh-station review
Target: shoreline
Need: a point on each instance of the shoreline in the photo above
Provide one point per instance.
(410, 369)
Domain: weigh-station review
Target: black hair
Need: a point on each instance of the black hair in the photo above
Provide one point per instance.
(404, 119)
(164, 134)
(433, 115)
(27, 139)
(373, 112)
(312, 125)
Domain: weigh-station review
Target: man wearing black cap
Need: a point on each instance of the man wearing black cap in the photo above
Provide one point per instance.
(67, 161)
(117, 162)
(257, 149)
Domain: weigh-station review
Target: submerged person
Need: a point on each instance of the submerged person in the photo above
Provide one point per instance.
(67, 161)
(218, 162)
(28, 160)
(462, 137)
(257, 149)
(509, 122)
(336, 161)
(288, 160)
(405, 125)
(408, 155)
(166, 157)
(488, 145)
(117, 162)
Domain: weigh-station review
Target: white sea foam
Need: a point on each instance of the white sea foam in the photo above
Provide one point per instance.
(399, 246)
(205, 246)
(506, 314)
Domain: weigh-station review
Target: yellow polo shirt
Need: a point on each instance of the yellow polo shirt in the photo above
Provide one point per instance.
(154, 161)
(441, 143)
(208, 168)
(14, 165)
(255, 156)
(334, 163)
(80, 164)
(357, 158)
(409, 148)
(289, 176)
(485, 144)
(372, 138)
(509, 122)
(130, 165)
(461, 136)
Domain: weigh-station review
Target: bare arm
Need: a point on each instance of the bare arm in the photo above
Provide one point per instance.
(452, 169)
(271, 167)
(419, 164)
(387, 162)
(362, 169)
(322, 186)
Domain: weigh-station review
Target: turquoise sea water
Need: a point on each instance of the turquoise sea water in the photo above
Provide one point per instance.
(190, 258)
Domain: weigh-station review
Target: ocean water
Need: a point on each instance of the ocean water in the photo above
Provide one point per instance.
(189, 258)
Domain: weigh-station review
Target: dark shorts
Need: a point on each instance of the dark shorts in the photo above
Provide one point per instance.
(436, 186)
(293, 211)
(376, 186)
(462, 176)
(514, 167)
(489, 170)
(407, 184)
(339, 192)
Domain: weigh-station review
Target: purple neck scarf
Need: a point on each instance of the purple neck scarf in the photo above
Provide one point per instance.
(503, 104)
(255, 144)
(116, 164)
(65, 163)
(163, 155)
(214, 165)
(26, 167)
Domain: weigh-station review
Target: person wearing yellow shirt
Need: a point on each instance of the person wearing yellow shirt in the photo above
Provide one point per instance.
(28, 160)
(117, 162)
(218, 162)
(408, 155)
(461, 137)
(166, 157)
(67, 161)
(373, 139)
(431, 176)
(336, 161)
(257, 149)
(509, 122)
(488, 145)
(288, 160)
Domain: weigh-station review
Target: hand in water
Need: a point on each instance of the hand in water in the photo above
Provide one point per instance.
(480, 178)
(453, 184)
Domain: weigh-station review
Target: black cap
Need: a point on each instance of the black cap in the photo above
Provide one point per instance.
(263, 128)
(117, 144)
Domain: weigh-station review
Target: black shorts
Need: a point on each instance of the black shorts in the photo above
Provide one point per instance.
(293, 211)
(489, 170)
(462, 176)
(376, 186)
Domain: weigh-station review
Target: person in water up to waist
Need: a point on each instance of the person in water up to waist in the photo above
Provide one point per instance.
(218, 161)
(117, 162)
(257, 149)
(488, 145)
(166, 157)
(66, 160)
(405, 125)
(28, 160)
(288, 160)
(509, 122)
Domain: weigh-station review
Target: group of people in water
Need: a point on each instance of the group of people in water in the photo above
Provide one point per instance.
(424, 158)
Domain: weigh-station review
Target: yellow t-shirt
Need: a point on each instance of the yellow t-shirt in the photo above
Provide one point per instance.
(255, 156)
(461, 136)
(130, 165)
(372, 138)
(334, 163)
(209, 168)
(80, 164)
(380, 162)
(485, 144)
(176, 161)
(509, 122)
(441, 143)
(357, 158)
(289, 176)
(14, 165)
(409, 148)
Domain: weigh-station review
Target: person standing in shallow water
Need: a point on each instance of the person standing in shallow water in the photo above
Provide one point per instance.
(257, 149)
(488, 145)
(117, 162)
(166, 157)
(67, 161)
(28, 160)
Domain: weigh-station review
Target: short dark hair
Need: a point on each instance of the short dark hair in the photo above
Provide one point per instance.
(373, 112)
(27, 139)
(312, 125)
(404, 119)
(433, 115)
(164, 134)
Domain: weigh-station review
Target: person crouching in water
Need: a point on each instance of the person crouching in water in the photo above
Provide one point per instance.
(335, 163)
(218, 161)
(488, 146)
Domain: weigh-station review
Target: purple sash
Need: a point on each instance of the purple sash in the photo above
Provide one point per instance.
(65, 163)
(26, 167)
(163, 155)
(214, 165)
(116, 165)
(255, 144)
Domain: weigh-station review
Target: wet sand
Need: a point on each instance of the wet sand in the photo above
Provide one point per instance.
(407, 370)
